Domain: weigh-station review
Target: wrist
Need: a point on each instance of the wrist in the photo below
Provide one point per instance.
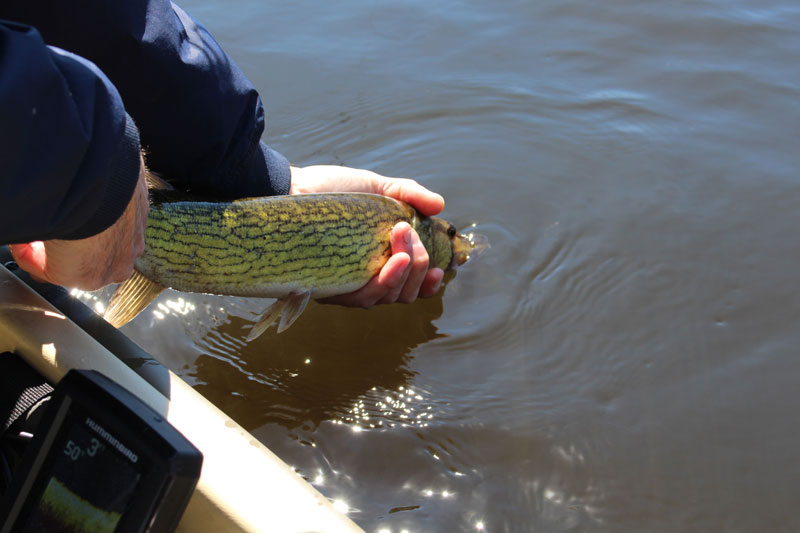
(293, 171)
(296, 180)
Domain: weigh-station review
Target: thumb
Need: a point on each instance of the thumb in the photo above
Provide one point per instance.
(31, 257)
(409, 191)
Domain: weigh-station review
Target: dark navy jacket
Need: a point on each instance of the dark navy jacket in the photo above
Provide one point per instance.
(72, 74)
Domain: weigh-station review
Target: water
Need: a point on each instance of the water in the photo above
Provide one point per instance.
(625, 357)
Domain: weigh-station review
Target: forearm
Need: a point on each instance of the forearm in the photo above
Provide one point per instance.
(69, 154)
(199, 117)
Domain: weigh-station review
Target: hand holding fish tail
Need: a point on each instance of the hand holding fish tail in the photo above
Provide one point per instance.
(405, 276)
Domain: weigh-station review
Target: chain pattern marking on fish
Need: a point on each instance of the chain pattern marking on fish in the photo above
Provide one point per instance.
(262, 246)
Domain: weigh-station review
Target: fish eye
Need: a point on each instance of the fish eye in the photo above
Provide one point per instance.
(451, 231)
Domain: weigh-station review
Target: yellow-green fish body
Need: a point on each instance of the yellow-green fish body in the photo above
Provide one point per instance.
(311, 245)
(327, 243)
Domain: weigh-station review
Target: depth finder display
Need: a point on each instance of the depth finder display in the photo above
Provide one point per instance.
(90, 483)
(101, 460)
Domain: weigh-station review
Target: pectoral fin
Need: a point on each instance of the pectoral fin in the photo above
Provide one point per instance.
(130, 299)
(266, 319)
(288, 309)
(295, 305)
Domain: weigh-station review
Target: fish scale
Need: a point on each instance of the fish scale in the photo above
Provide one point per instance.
(286, 247)
(261, 247)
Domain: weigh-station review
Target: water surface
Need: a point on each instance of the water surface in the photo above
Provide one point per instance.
(626, 356)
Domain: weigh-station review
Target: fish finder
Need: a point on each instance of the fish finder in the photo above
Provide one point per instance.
(100, 460)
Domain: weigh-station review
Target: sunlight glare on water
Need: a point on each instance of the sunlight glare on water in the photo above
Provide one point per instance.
(623, 358)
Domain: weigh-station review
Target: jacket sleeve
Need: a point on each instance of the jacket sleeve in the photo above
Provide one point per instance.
(69, 154)
(200, 119)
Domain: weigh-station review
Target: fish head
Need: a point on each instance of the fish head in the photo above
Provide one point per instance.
(449, 248)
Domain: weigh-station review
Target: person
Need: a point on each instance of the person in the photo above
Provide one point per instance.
(86, 88)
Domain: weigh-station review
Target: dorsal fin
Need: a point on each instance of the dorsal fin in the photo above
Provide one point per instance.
(156, 182)
(130, 299)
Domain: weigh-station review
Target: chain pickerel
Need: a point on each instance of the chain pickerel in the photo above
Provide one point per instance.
(288, 247)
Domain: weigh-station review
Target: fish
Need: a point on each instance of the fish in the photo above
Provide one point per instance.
(292, 248)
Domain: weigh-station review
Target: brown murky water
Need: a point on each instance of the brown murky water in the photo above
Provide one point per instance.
(626, 356)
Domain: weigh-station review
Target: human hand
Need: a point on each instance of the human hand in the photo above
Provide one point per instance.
(405, 276)
(95, 261)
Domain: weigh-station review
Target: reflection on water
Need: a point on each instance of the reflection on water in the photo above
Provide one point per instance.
(624, 358)
(321, 368)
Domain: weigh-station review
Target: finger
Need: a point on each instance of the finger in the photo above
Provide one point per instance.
(31, 258)
(330, 178)
(432, 283)
(391, 278)
(425, 201)
(386, 286)
(392, 273)
(419, 267)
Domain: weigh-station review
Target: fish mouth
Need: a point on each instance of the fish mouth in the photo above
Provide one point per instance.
(468, 247)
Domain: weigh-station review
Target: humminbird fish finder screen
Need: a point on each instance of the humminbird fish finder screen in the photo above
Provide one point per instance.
(74, 494)
(101, 461)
